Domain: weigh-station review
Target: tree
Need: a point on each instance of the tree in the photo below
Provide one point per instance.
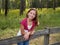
(3, 4)
(54, 4)
(6, 7)
(58, 3)
(17, 4)
(36, 4)
(22, 6)
(0, 5)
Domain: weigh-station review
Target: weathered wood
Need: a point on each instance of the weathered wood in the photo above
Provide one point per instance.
(46, 38)
(54, 30)
(39, 33)
(57, 43)
(11, 40)
(14, 40)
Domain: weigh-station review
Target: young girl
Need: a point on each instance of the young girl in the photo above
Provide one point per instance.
(28, 25)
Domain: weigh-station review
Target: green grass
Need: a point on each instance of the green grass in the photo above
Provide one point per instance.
(10, 25)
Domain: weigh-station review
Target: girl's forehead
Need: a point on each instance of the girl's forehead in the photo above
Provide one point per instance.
(32, 11)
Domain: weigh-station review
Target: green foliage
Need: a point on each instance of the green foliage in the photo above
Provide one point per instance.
(49, 18)
(11, 24)
(11, 21)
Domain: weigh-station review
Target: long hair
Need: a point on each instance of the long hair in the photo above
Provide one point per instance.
(35, 19)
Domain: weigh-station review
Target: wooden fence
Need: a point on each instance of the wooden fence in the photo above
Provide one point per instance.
(46, 33)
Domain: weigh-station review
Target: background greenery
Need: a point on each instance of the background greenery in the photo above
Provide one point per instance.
(11, 24)
(13, 11)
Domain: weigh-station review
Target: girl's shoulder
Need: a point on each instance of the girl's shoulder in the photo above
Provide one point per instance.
(23, 21)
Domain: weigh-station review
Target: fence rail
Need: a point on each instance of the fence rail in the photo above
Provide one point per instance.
(46, 33)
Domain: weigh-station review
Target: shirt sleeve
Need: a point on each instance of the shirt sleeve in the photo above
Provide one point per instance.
(22, 22)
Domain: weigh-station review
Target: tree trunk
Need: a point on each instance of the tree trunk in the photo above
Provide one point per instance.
(0, 5)
(22, 6)
(54, 4)
(6, 7)
(47, 4)
(3, 5)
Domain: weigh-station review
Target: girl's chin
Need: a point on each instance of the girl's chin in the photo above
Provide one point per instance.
(30, 18)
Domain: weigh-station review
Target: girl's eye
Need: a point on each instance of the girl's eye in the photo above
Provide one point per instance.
(33, 14)
(30, 12)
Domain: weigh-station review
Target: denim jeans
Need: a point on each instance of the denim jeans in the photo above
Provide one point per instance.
(23, 43)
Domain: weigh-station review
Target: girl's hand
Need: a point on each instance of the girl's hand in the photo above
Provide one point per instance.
(32, 32)
(26, 36)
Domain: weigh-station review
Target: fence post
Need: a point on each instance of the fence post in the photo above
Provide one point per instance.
(46, 37)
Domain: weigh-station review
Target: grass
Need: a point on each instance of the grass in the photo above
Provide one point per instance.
(9, 25)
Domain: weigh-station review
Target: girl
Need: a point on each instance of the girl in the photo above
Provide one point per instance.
(27, 25)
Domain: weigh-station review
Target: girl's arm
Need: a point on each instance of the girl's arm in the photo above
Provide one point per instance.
(32, 32)
(25, 35)
(22, 29)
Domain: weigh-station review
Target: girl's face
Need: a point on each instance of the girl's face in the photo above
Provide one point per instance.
(32, 14)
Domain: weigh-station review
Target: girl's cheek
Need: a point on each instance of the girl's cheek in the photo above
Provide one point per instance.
(33, 16)
(29, 16)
